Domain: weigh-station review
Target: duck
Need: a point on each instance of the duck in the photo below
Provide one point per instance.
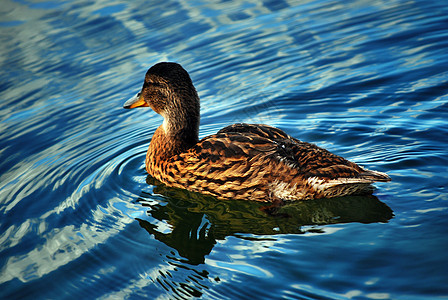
(241, 161)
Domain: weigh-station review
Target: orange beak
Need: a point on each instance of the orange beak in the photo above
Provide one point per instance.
(136, 101)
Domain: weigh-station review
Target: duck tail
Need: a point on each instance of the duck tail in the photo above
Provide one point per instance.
(375, 176)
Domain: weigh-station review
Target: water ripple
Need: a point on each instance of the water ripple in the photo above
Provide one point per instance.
(80, 215)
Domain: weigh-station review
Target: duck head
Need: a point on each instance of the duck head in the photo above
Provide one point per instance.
(169, 91)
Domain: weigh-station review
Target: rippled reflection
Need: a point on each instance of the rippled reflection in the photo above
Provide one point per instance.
(364, 79)
(191, 223)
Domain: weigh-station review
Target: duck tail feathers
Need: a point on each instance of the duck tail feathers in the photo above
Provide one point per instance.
(374, 176)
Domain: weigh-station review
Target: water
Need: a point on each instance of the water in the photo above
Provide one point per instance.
(80, 219)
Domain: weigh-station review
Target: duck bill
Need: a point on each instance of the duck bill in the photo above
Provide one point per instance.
(136, 101)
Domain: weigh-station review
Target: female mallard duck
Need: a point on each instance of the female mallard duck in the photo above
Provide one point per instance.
(241, 161)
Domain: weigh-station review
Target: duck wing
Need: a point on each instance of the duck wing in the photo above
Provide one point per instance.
(260, 130)
(311, 160)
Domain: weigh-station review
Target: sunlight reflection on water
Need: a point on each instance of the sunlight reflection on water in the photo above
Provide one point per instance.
(364, 79)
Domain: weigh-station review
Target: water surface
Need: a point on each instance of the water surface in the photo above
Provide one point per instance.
(81, 219)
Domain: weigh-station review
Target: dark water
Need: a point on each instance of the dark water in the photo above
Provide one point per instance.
(80, 219)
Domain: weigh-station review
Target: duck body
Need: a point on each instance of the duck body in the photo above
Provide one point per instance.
(241, 161)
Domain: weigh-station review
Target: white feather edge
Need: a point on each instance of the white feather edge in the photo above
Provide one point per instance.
(287, 191)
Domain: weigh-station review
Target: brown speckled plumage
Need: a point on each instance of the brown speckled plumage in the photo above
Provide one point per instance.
(241, 161)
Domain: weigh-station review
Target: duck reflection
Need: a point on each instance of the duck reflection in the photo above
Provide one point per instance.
(196, 221)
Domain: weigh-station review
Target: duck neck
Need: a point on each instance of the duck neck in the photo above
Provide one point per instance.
(178, 133)
(181, 131)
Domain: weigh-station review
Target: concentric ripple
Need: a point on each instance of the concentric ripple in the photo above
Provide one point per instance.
(81, 219)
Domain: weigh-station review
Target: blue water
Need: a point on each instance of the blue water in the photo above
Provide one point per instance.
(367, 80)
